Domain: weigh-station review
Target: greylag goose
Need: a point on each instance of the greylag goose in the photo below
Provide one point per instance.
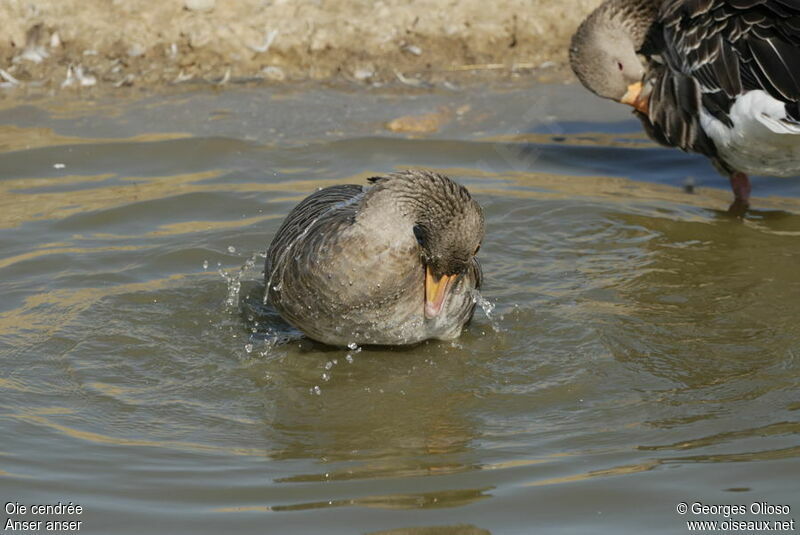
(716, 77)
(391, 263)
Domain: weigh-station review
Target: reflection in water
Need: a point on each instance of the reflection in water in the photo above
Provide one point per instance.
(637, 330)
(427, 500)
(396, 414)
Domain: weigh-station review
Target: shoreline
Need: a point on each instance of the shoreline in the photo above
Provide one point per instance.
(107, 45)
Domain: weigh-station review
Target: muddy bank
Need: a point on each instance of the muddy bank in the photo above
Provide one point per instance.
(54, 44)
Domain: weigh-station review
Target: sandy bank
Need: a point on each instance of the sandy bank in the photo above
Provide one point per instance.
(52, 44)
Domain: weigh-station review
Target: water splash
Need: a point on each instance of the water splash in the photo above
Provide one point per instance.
(234, 281)
(488, 309)
(354, 349)
(234, 285)
(266, 329)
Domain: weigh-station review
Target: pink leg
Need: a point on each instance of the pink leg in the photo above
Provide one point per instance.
(740, 185)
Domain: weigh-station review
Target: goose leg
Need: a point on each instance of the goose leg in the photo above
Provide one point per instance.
(740, 185)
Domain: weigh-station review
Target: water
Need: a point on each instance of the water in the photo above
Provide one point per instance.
(643, 348)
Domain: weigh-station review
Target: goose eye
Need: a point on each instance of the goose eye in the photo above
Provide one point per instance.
(419, 235)
(619, 65)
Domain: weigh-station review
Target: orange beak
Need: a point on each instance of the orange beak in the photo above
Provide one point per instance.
(634, 97)
(436, 291)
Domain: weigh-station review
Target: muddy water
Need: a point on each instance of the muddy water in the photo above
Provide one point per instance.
(643, 349)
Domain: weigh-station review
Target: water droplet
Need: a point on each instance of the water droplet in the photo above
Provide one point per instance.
(349, 358)
(231, 249)
(352, 345)
(205, 264)
(248, 348)
(328, 365)
(488, 308)
(316, 390)
(326, 377)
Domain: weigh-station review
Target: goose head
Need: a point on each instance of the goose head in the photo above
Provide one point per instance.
(446, 251)
(447, 224)
(603, 55)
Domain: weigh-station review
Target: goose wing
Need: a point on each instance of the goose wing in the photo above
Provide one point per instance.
(711, 51)
(731, 46)
(338, 202)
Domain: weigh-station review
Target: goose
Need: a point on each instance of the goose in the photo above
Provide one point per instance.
(716, 77)
(389, 263)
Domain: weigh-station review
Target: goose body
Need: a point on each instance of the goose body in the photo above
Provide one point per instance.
(390, 264)
(717, 77)
(760, 138)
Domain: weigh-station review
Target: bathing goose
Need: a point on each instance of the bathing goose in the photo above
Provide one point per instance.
(391, 263)
(717, 77)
